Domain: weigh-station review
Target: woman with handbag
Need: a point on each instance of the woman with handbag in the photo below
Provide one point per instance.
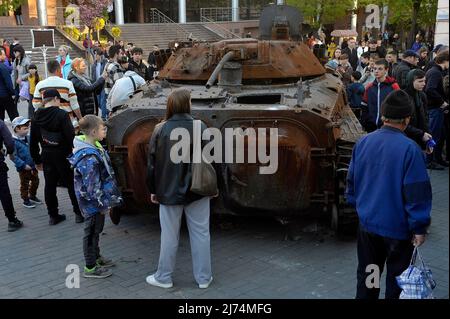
(20, 68)
(171, 186)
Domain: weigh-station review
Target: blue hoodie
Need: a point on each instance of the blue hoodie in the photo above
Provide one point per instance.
(388, 183)
(94, 181)
(355, 92)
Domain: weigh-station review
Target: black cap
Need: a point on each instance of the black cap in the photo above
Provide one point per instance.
(51, 93)
(409, 53)
(397, 105)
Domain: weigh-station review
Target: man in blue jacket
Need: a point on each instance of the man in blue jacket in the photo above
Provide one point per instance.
(388, 184)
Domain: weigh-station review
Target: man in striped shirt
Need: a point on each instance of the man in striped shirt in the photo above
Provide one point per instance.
(69, 102)
(113, 68)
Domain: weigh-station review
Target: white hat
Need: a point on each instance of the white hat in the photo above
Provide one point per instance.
(18, 121)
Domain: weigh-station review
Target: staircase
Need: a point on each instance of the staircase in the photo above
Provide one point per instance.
(23, 33)
(145, 35)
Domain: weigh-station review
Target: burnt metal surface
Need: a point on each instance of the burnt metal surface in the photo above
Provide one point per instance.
(267, 61)
(262, 84)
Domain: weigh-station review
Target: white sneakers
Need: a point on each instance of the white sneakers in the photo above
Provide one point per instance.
(206, 285)
(152, 281)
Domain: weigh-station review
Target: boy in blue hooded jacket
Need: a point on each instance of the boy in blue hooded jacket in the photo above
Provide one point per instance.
(28, 174)
(96, 191)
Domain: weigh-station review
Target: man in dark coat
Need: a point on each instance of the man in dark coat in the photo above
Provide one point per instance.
(5, 194)
(437, 105)
(352, 52)
(417, 129)
(409, 62)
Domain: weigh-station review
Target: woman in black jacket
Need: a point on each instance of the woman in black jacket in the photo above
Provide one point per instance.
(86, 90)
(417, 129)
(169, 181)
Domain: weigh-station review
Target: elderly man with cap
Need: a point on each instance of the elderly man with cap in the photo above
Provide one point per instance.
(53, 133)
(408, 63)
(388, 184)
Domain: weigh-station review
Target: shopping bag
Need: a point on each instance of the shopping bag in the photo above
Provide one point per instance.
(416, 281)
(24, 92)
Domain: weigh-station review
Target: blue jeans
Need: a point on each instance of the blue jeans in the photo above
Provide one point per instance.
(436, 124)
(102, 102)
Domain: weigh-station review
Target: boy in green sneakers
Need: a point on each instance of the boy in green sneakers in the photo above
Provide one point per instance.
(96, 191)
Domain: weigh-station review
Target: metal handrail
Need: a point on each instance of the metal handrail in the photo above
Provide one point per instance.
(213, 13)
(226, 13)
(231, 35)
(161, 18)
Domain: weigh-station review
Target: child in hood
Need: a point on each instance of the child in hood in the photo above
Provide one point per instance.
(29, 178)
(96, 191)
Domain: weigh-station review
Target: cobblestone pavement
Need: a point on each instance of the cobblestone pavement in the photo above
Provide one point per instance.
(251, 259)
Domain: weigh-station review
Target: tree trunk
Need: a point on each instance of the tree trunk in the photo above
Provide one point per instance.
(415, 14)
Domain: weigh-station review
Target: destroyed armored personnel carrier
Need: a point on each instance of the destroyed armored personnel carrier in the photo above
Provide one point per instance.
(272, 82)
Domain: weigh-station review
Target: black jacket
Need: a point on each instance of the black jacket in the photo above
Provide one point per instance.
(418, 123)
(87, 94)
(435, 87)
(142, 70)
(170, 181)
(7, 140)
(381, 51)
(352, 56)
(391, 68)
(401, 72)
(52, 130)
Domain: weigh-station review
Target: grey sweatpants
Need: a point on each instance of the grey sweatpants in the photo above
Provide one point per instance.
(197, 219)
(93, 227)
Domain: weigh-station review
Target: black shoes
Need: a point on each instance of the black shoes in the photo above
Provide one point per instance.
(14, 225)
(79, 219)
(442, 163)
(57, 219)
(435, 166)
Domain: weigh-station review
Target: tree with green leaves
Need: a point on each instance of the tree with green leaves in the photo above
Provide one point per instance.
(409, 15)
(9, 5)
(319, 12)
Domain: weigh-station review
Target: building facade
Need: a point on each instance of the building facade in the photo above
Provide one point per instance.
(50, 12)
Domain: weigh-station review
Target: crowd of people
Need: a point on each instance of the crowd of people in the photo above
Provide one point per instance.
(371, 72)
(67, 102)
(403, 104)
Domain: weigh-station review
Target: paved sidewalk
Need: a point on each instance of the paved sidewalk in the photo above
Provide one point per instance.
(251, 259)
